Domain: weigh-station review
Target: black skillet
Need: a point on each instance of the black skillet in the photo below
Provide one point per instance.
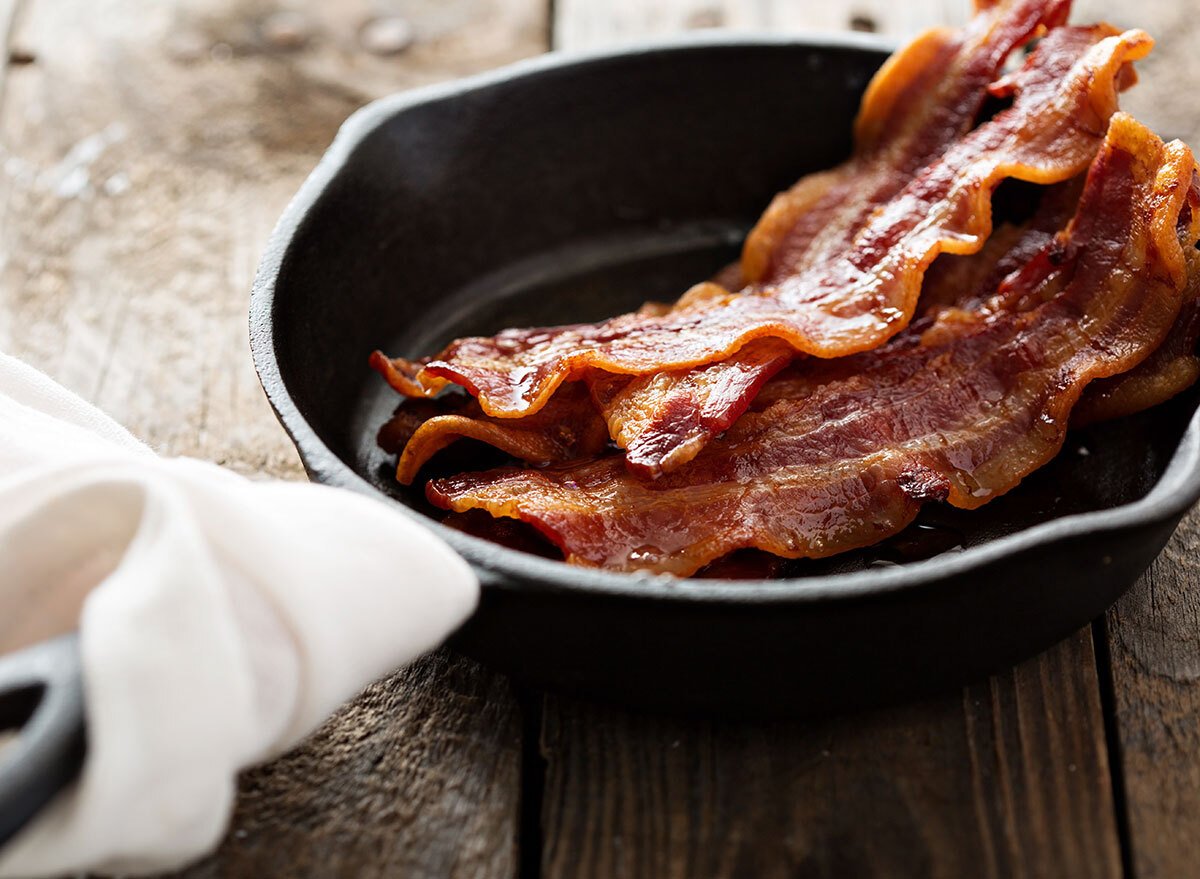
(570, 188)
(41, 695)
(573, 187)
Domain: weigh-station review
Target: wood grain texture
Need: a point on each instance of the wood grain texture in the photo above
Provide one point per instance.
(1154, 642)
(416, 777)
(1009, 778)
(580, 24)
(146, 150)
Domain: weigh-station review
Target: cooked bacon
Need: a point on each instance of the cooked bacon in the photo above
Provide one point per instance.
(401, 374)
(963, 414)
(967, 281)
(920, 102)
(953, 282)
(663, 420)
(568, 429)
(924, 98)
(1170, 370)
(1063, 96)
(506, 532)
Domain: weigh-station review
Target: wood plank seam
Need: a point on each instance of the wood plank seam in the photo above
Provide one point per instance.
(1112, 738)
(533, 784)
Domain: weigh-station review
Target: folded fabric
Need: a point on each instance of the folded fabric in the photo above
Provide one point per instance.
(220, 620)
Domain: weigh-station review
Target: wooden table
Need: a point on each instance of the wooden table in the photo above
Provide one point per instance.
(146, 149)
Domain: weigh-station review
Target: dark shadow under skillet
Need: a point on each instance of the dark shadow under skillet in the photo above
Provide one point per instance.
(570, 188)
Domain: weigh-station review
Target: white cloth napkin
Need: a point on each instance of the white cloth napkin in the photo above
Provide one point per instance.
(221, 620)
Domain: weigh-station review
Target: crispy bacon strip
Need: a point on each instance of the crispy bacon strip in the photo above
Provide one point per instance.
(982, 400)
(664, 420)
(924, 98)
(1063, 97)
(568, 429)
(401, 374)
(1170, 370)
(967, 281)
(954, 282)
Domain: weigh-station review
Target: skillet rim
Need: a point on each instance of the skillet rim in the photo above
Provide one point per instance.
(1176, 490)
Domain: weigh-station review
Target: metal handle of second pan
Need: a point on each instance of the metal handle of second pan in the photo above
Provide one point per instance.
(41, 700)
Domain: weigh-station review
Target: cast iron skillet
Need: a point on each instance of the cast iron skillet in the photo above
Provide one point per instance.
(571, 188)
(41, 695)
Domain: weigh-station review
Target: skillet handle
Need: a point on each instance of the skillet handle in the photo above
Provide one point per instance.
(41, 698)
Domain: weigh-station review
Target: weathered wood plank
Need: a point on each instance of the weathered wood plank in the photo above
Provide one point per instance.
(1008, 779)
(587, 24)
(147, 152)
(1154, 642)
(146, 149)
(416, 777)
(581, 24)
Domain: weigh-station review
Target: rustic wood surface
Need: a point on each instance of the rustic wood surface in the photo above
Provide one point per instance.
(581, 24)
(1153, 633)
(1006, 778)
(419, 776)
(146, 149)
(1154, 642)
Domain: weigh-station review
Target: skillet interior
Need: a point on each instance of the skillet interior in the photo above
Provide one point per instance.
(571, 190)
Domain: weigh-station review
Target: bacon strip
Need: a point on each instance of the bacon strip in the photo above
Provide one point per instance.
(1171, 369)
(401, 374)
(922, 98)
(926, 96)
(1063, 97)
(568, 429)
(953, 283)
(980, 401)
(663, 420)
(920, 102)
